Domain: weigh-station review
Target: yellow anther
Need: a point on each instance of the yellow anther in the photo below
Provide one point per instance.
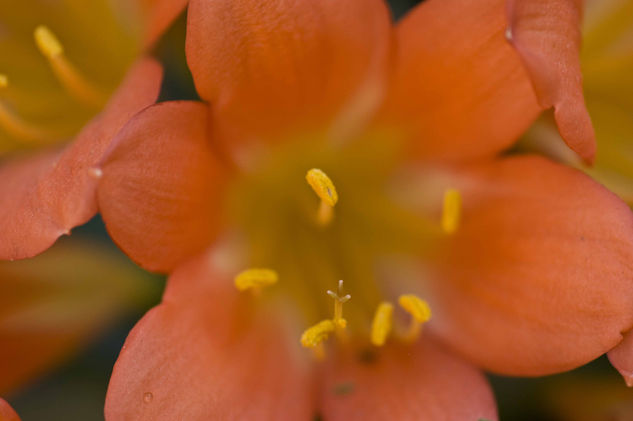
(73, 81)
(47, 42)
(324, 188)
(318, 333)
(381, 325)
(451, 212)
(416, 307)
(420, 313)
(12, 124)
(255, 279)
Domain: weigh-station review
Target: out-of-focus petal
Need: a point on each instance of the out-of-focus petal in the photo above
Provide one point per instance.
(161, 14)
(537, 279)
(276, 67)
(420, 382)
(52, 305)
(159, 194)
(547, 36)
(203, 355)
(46, 195)
(622, 358)
(6, 412)
(459, 88)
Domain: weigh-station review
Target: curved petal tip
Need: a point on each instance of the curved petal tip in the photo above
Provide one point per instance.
(621, 357)
(546, 35)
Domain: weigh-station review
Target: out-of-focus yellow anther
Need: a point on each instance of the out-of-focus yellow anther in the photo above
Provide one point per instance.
(452, 210)
(381, 325)
(255, 279)
(324, 188)
(11, 123)
(420, 313)
(47, 42)
(72, 80)
(314, 335)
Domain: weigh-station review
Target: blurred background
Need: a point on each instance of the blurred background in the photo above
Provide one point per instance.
(65, 314)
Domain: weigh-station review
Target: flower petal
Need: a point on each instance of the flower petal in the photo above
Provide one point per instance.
(160, 188)
(205, 357)
(621, 358)
(459, 88)
(161, 14)
(537, 279)
(6, 412)
(412, 382)
(53, 304)
(46, 195)
(276, 66)
(546, 33)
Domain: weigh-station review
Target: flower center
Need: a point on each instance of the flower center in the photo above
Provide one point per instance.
(345, 223)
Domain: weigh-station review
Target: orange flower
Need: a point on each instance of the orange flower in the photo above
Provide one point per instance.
(522, 265)
(62, 65)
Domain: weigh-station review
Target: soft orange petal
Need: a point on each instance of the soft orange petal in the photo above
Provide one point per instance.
(546, 33)
(161, 185)
(412, 382)
(161, 14)
(459, 88)
(6, 412)
(621, 358)
(45, 196)
(276, 66)
(204, 357)
(538, 277)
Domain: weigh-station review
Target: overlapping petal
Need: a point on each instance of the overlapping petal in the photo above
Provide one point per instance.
(6, 412)
(537, 279)
(459, 88)
(420, 382)
(160, 192)
(271, 67)
(547, 35)
(46, 195)
(202, 355)
(161, 14)
(622, 358)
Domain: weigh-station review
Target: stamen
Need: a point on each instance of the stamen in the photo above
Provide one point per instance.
(14, 125)
(451, 213)
(381, 325)
(72, 80)
(420, 313)
(324, 188)
(313, 336)
(255, 279)
(339, 300)
(318, 333)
